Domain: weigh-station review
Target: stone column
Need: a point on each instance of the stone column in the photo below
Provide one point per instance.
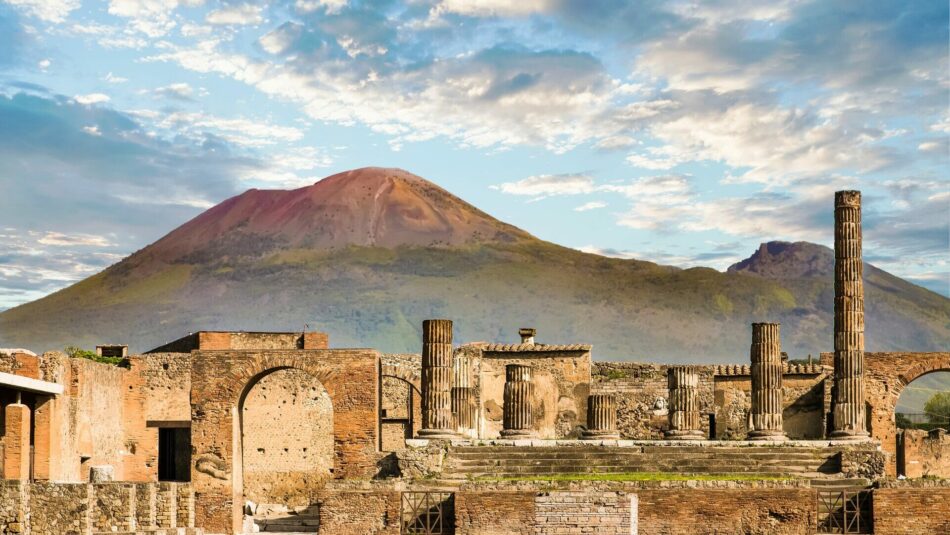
(847, 404)
(437, 371)
(519, 394)
(463, 395)
(16, 441)
(765, 419)
(683, 384)
(601, 418)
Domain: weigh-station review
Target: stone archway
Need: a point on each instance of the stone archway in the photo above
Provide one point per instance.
(886, 376)
(221, 379)
(286, 421)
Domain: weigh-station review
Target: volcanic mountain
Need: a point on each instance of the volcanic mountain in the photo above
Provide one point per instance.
(366, 255)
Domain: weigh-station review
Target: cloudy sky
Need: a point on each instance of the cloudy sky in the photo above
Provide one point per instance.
(680, 132)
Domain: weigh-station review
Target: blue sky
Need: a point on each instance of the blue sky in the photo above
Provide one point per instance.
(680, 132)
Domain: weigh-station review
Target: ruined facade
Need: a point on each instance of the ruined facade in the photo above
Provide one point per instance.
(235, 432)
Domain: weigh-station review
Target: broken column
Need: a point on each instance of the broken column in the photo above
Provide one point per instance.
(519, 394)
(16, 441)
(463, 395)
(437, 372)
(683, 384)
(601, 418)
(765, 419)
(847, 404)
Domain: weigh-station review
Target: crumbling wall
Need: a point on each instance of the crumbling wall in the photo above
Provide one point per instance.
(642, 396)
(360, 513)
(97, 418)
(166, 378)
(576, 512)
(288, 438)
(561, 386)
(803, 401)
(495, 513)
(925, 454)
(14, 501)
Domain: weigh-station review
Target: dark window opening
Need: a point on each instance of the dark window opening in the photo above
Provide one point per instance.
(712, 426)
(174, 454)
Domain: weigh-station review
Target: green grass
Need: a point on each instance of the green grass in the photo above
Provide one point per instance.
(641, 476)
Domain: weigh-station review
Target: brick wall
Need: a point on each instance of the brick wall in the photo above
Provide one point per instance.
(912, 510)
(924, 454)
(359, 513)
(579, 513)
(494, 513)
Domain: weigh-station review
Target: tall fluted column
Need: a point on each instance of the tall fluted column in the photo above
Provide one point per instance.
(601, 418)
(437, 372)
(519, 394)
(765, 420)
(847, 404)
(683, 384)
(463, 395)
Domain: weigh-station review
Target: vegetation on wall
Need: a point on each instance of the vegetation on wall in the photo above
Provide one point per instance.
(80, 353)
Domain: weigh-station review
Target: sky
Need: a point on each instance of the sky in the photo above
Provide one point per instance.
(680, 132)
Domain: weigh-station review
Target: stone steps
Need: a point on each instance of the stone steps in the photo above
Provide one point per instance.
(514, 461)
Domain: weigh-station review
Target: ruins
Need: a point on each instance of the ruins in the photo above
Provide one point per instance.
(246, 432)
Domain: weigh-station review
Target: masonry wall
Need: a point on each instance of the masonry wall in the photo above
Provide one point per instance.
(561, 386)
(912, 508)
(167, 382)
(360, 513)
(494, 513)
(400, 399)
(924, 454)
(44, 508)
(803, 401)
(288, 438)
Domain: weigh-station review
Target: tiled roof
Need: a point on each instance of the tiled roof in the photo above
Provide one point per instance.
(516, 348)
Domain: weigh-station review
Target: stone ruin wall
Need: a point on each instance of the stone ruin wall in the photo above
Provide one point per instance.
(167, 385)
(924, 454)
(561, 385)
(44, 508)
(642, 396)
(288, 438)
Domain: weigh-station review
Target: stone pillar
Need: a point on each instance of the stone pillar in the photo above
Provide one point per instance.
(519, 395)
(437, 371)
(601, 418)
(463, 395)
(683, 384)
(16, 442)
(765, 419)
(847, 404)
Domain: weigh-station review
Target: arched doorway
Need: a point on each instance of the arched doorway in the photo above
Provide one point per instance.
(286, 439)
(400, 412)
(923, 407)
(886, 377)
(220, 380)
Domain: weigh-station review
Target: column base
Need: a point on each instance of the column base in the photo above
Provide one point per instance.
(689, 434)
(447, 434)
(849, 435)
(775, 436)
(517, 433)
(596, 434)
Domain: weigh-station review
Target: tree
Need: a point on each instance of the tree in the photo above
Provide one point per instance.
(938, 408)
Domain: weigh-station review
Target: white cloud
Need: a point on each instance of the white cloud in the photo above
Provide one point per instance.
(92, 98)
(331, 6)
(47, 10)
(44, 64)
(60, 239)
(238, 15)
(177, 91)
(92, 130)
(491, 8)
(592, 205)
(545, 185)
(113, 79)
(242, 131)
(154, 18)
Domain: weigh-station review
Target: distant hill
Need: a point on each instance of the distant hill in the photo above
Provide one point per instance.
(368, 254)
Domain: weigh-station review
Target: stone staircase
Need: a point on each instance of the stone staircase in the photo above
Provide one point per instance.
(280, 519)
(539, 461)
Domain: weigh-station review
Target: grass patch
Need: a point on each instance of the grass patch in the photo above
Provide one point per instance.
(79, 353)
(641, 476)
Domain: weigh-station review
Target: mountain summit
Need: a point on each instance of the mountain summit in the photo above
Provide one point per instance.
(366, 255)
(368, 207)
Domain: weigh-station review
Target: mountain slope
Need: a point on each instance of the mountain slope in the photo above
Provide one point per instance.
(368, 254)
